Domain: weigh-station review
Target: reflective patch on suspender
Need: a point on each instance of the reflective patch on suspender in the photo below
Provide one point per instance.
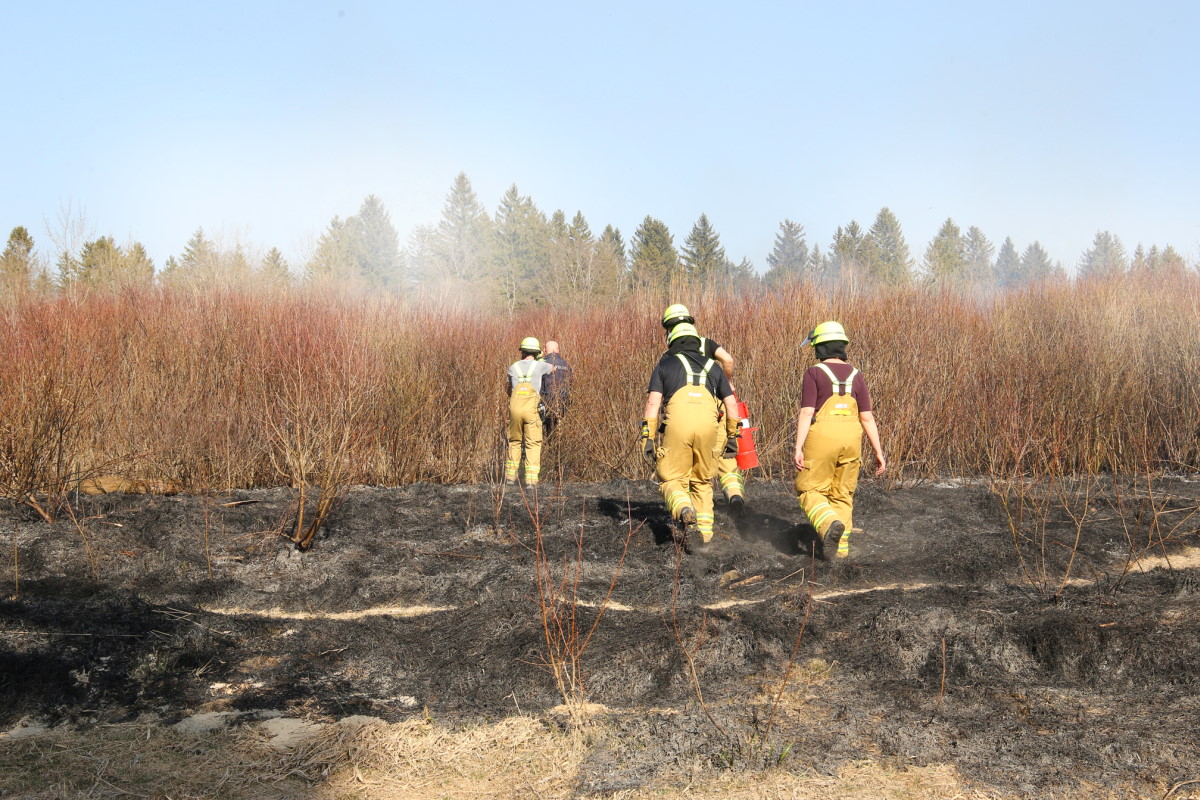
(697, 379)
(524, 380)
(840, 389)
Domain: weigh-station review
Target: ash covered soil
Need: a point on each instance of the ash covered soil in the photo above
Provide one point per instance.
(939, 640)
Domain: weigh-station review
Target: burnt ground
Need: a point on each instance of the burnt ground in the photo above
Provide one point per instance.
(941, 639)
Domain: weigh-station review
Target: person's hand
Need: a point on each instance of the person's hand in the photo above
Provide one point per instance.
(881, 464)
(648, 443)
(731, 447)
(798, 459)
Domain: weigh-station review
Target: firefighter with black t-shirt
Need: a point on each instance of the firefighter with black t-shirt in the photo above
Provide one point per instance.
(733, 485)
(691, 386)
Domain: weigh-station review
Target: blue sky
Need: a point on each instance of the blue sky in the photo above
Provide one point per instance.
(262, 120)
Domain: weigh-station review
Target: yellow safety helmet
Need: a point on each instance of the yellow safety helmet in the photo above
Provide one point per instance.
(530, 344)
(826, 332)
(676, 314)
(682, 329)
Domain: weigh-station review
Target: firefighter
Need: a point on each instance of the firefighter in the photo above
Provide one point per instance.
(835, 411)
(733, 484)
(556, 389)
(524, 418)
(691, 386)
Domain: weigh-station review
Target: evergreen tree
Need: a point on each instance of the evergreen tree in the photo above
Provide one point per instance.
(702, 255)
(738, 276)
(977, 253)
(885, 253)
(1036, 264)
(171, 272)
(235, 267)
(1008, 265)
(102, 264)
(199, 254)
(376, 246)
(1170, 261)
(847, 253)
(98, 265)
(200, 265)
(819, 265)
(16, 262)
(945, 258)
(522, 249)
(1156, 263)
(420, 256)
(788, 260)
(612, 263)
(334, 260)
(560, 277)
(461, 248)
(273, 271)
(137, 267)
(654, 258)
(586, 261)
(1139, 262)
(1105, 258)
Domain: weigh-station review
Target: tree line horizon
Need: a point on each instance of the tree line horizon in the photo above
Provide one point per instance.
(518, 256)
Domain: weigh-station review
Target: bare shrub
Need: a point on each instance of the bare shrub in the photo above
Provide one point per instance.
(317, 387)
(565, 630)
(199, 389)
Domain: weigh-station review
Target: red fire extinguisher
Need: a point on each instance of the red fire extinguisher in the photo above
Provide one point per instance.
(747, 456)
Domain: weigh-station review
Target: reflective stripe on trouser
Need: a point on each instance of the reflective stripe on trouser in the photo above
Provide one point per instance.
(731, 480)
(832, 459)
(524, 429)
(686, 460)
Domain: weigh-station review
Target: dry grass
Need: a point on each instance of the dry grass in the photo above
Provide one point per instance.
(224, 389)
(518, 757)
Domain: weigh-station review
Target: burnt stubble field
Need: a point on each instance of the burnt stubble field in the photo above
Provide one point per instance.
(944, 639)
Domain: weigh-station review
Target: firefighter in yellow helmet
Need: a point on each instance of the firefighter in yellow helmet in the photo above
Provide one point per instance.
(835, 411)
(524, 417)
(733, 484)
(690, 385)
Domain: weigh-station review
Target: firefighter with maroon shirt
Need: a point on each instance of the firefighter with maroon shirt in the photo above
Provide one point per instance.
(691, 386)
(835, 411)
(733, 485)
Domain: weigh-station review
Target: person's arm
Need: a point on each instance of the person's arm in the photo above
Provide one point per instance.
(723, 358)
(802, 426)
(867, 418)
(732, 421)
(653, 404)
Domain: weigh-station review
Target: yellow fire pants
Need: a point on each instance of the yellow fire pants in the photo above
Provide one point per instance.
(832, 459)
(728, 475)
(687, 458)
(524, 429)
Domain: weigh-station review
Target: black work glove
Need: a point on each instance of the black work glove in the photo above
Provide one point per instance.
(542, 411)
(731, 445)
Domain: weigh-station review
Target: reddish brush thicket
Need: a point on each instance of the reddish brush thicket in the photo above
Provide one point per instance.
(229, 389)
